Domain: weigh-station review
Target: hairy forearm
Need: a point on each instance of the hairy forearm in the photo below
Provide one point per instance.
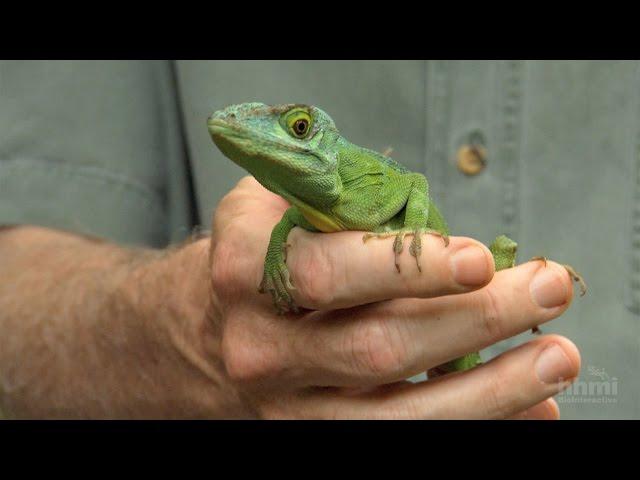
(92, 329)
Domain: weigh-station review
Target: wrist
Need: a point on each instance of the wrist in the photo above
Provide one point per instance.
(169, 287)
(171, 300)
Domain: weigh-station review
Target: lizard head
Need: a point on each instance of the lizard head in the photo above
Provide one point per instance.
(290, 148)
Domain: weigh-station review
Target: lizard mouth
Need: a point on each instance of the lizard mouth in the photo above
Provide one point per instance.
(218, 126)
(225, 132)
(229, 130)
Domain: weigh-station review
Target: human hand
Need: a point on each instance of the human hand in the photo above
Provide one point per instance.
(95, 330)
(368, 328)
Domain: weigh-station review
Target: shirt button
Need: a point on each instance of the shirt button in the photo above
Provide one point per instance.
(472, 159)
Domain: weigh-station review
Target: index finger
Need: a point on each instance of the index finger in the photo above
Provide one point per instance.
(338, 270)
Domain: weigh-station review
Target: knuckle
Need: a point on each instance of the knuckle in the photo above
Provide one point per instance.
(222, 269)
(247, 361)
(246, 182)
(489, 319)
(228, 206)
(407, 410)
(495, 401)
(312, 275)
(229, 260)
(275, 410)
(269, 413)
(376, 350)
(293, 409)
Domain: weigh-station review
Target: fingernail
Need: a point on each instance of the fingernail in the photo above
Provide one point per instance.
(547, 289)
(470, 266)
(553, 365)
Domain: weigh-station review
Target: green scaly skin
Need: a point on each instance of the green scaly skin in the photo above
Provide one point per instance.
(332, 185)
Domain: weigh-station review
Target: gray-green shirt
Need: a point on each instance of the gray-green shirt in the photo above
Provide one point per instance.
(121, 150)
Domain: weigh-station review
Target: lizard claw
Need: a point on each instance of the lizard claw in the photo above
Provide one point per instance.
(416, 244)
(416, 248)
(575, 276)
(444, 236)
(398, 246)
(277, 282)
(539, 258)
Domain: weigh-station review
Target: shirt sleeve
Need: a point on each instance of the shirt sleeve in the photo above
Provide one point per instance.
(94, 148)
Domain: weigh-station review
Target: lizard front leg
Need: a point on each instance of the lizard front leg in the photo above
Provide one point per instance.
(420, 216)
(276, 279)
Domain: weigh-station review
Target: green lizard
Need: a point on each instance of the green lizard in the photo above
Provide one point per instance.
(332, 185)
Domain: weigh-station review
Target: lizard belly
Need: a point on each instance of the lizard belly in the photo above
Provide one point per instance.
(320, 220)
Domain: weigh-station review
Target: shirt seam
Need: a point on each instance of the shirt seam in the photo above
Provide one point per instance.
(92, 172)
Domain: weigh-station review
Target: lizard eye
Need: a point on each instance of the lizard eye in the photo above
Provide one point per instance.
(298, 122)
(300, 127)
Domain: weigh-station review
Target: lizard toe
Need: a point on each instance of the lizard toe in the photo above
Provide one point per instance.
(277, 282)
(416, 248)
(576, 277)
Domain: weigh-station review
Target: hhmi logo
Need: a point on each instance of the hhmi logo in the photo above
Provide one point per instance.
(599, 387)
